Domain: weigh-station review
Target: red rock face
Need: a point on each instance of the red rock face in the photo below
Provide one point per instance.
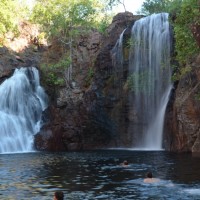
(183, 117)
(182, 123)
(85, 115)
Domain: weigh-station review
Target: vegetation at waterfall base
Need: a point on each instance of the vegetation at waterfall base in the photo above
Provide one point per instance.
(53, 73)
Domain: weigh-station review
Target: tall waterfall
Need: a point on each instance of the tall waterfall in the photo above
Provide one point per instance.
(150, 79)
(21, 105)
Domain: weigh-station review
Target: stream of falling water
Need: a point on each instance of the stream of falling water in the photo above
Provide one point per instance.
(21, 105)
(150, 75)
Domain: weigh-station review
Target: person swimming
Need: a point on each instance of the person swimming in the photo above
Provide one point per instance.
(58, 195)
(125, 163)
(149, 178)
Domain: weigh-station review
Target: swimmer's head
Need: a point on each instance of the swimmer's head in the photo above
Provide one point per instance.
(149, 175)
(125, 162)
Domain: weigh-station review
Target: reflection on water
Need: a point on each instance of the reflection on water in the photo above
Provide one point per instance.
(98, 175)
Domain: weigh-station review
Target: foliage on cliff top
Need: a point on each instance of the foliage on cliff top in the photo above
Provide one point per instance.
(58, 16)
(185, 13)
(63, 17)
(186, 46)
(54, 15)
(9, 17)
(158, 6)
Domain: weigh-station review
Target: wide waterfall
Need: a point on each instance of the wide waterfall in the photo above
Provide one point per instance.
(150, 79)
(21, 105)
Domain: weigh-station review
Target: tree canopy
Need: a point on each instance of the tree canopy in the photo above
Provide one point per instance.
(188, 16)
(8, 15)
(158, 6)
(59, 16)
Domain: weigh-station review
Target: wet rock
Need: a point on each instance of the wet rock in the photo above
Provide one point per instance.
(182, 118)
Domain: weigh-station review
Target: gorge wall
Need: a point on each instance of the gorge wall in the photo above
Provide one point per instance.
(182, 124)
(182, 127)
(92, 112)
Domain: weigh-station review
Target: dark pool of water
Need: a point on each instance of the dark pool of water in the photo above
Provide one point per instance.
(98, 175)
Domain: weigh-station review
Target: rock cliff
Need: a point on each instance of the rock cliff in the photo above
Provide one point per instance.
(182, 124)
(182, 127)
(94, 110)
(87, 114)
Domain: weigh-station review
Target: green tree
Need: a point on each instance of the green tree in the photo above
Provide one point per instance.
(8, 16)
(65, 20)
(186, 46)
(158, 6)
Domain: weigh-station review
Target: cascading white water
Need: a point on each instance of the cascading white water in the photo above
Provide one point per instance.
(150, 74)
(117, 53)
(22, 101)
(117, 61)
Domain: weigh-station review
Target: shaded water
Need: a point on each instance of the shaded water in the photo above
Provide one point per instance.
(98, 175)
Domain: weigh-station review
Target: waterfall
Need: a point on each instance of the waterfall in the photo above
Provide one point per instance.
(117, 53)
(117, 61)
(21, 105)
(150, 79)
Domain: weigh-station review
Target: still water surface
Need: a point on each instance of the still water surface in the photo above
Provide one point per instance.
(98, 175)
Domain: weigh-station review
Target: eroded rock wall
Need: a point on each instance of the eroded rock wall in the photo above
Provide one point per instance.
(90, 114)
(182, 127)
